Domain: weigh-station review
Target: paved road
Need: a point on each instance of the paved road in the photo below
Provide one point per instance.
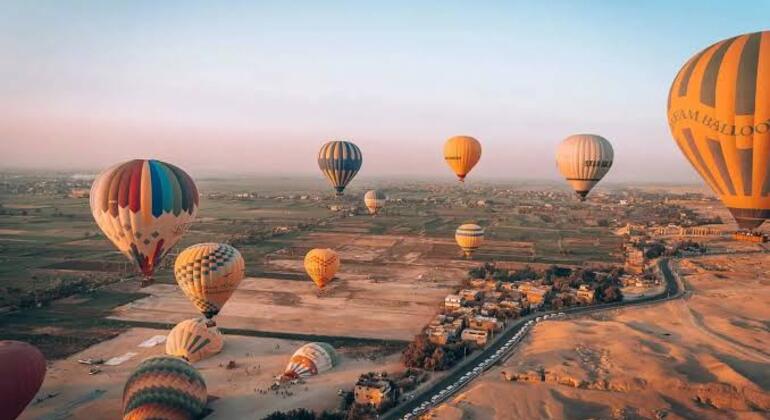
(673, 290)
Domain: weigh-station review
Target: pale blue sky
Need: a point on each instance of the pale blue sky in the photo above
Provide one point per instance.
(259, 86)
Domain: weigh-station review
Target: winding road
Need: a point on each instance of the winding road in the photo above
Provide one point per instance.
(463, 374)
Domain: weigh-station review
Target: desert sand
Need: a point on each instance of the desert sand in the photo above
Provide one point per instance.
(257, 360)
(704, 356)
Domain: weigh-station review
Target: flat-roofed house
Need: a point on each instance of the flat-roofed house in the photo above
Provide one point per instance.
(479, 337)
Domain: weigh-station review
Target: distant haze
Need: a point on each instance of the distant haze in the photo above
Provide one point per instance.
(257, 87)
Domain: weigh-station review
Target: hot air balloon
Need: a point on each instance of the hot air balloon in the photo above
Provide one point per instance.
(164, 387)
(374, 200)
(311, 359)
(462, 153)
(321, 265)
(340, 162)
(144, 207)
(584, 159)
(208, 274)
(469, 236)
(719, 115)
(23, 369)
(194, 340)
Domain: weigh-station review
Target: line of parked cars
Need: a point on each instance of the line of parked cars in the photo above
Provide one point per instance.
(478, 369)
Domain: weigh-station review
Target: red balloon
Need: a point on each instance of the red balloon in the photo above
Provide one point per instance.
(23, 369)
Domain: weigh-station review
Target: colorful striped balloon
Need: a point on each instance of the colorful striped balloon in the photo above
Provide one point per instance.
(164, 387)
(193, 340)
(321, 265)
(584, 159)
(340, 162)
(22, 370)
(719, 115)
(469, 237)
(374, 200)
(144, 207)
(311, 359)
(208, 274)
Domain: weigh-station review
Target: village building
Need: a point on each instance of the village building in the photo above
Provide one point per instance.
(534, 294)
(374, 390)
(453, 302)
(479, 337)
(471, 295)
(585, 295)
(486, 323)
(492, 296)
(635, 260)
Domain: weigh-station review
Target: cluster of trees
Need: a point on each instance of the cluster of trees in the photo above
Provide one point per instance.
(304, 414)
(489, 270)
(655, 249)
(605, 283)
(423, 354)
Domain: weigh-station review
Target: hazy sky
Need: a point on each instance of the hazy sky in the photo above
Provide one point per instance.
(257, 87)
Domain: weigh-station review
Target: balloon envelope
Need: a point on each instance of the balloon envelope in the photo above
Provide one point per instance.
(208, 274)
(144, 207)
(23, 370)
(469, 237)
(462, 153)
(164, 387)
(311, 359)
(584, 159)
(374, 200)
(719, 115)
(340, 162)
(321, 265)
(193, 340)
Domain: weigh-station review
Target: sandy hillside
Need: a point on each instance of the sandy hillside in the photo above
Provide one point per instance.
(705, 356)
(80, 396)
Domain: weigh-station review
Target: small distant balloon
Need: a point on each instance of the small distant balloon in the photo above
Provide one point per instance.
(340, 161)
(719, 116)
(374, 200)
(584, 159)
(208, 274)
(321, 265)
(22, 370)
(462, 153)
(469, 237)
(144, 207)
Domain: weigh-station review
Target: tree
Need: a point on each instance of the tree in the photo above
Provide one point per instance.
(295, 414)
(418, 352)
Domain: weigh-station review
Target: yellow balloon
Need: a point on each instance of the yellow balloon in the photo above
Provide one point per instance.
(462, 153)
(193, 340)
(469, 237)
(584, 159)
(719, 115)
(374, 200)
(208, 274)
(321, 265)
(144, 207)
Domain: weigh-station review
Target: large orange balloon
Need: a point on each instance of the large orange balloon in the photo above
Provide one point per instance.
(719, 115)
(462, 153)
(22, 369)
(321, 265)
